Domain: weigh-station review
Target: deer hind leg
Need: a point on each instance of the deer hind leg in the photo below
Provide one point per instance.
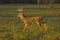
(38, 24)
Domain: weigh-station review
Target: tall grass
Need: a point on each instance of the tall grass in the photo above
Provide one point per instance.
(11, 27)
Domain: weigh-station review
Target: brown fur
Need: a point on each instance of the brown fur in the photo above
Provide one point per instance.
(30, 20)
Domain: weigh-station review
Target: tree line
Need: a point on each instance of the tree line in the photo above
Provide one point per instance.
(29, 1)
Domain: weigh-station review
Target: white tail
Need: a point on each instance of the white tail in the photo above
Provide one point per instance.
(37, 19)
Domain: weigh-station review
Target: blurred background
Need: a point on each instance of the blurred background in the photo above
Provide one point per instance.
(11, 27)
(29, 1)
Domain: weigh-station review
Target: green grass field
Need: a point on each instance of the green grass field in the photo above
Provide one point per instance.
(11, 26)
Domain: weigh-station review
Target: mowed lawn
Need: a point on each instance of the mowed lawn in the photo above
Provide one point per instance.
(11, 27)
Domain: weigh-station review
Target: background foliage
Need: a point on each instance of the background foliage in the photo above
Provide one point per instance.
(28, 1)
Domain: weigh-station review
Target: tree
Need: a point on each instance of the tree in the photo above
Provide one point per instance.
(50, 2)
(38, 2)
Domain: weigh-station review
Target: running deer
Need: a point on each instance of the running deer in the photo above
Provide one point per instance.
(30, 20)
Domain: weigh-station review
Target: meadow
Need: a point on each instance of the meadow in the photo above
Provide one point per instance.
(11, 26)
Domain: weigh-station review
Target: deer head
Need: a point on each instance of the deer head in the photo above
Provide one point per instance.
(20, 12)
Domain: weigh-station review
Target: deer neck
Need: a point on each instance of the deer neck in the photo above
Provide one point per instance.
(23, 17)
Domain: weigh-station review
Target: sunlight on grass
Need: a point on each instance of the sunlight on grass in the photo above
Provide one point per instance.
(11, 27)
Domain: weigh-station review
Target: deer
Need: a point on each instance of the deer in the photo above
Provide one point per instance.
(29, 20)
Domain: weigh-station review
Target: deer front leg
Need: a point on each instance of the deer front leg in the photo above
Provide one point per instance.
(25, 26)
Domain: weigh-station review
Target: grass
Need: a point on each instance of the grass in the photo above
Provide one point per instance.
(11, 27)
